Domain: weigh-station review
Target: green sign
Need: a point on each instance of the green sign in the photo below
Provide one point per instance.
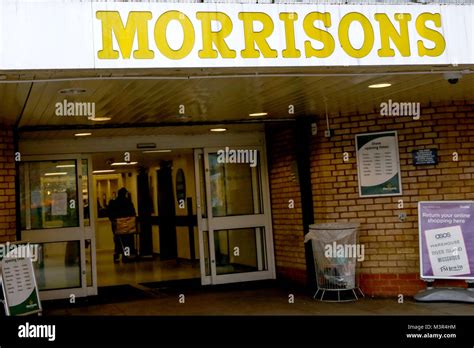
(19, 286)
(378, 164)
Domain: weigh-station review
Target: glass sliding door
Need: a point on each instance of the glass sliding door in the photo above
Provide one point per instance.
(55, 205)
(234, 217)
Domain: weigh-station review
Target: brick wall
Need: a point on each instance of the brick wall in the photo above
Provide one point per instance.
(391, 265)
(288, 232)
(7, 187)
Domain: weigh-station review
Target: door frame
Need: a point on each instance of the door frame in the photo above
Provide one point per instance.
(232, 222)
(43, 146)
(80, 233)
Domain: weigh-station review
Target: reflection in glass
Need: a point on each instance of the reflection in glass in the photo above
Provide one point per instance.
(240, 250)
(207, 263)
(58, 265)
(88, 253)
(106, 191)
(202, 184)
(235, 188)
(85, 191)
(53, 195)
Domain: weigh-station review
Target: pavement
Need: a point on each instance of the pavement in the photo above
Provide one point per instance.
(267, 299)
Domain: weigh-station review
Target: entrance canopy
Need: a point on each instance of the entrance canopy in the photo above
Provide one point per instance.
(74, 65)
(157, 98)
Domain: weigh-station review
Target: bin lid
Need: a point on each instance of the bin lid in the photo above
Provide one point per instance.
(331, 231)
(334, 226)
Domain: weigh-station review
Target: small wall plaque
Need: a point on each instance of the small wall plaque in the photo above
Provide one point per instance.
(425, 157)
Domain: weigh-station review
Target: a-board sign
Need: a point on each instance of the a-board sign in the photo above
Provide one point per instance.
(20, 291)
(425, 157)
(446, 231)
(378, 164)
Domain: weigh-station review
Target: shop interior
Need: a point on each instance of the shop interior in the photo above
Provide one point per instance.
(161, 187)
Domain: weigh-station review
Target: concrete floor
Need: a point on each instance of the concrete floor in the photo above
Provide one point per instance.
(110, 273)
(256, 301)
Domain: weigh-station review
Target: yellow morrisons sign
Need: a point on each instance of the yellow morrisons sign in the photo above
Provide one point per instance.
(127, 35)
(280, 35)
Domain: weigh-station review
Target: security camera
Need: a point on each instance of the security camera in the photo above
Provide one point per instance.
(452, 78)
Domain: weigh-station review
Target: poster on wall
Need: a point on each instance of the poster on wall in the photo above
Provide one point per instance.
(378, 164)
(446, 239)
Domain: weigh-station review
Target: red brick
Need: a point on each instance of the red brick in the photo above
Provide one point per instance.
(335, 188)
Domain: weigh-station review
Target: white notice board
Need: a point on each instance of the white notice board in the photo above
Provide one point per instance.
(20, 290)
(378, 164)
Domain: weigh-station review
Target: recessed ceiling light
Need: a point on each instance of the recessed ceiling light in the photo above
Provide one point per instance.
(258, 114)
(182, 117)
(218, 129)
(66, 166)
(100, 119)
(380, 85)
(82, 134)
(55, 174)
(123, 163)
(72, 91)
(103, 171)
(156, 151)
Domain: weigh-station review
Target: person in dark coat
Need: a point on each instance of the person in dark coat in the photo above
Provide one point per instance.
(121, 207)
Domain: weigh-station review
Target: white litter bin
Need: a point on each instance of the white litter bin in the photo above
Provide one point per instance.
(335, 252)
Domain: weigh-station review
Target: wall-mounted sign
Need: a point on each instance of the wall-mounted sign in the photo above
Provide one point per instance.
(20, 291)
(108, 35)
(425, 157)
(378, 164)
(446, 239)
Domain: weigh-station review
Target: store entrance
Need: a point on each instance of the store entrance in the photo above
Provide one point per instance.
(55, 217)
(160, 186)
(202, 212)
(234, 215)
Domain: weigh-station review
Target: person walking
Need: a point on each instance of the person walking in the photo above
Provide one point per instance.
(122, 207)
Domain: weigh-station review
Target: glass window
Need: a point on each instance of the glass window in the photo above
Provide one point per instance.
(235, 188)
(58, 265)
(240, 250)
(52, 201)
(207, 263)
(202, 183)
(85, 192)
(106, 191)
(88, 253)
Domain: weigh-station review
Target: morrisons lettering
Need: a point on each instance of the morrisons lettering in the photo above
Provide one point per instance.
(142, 35)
